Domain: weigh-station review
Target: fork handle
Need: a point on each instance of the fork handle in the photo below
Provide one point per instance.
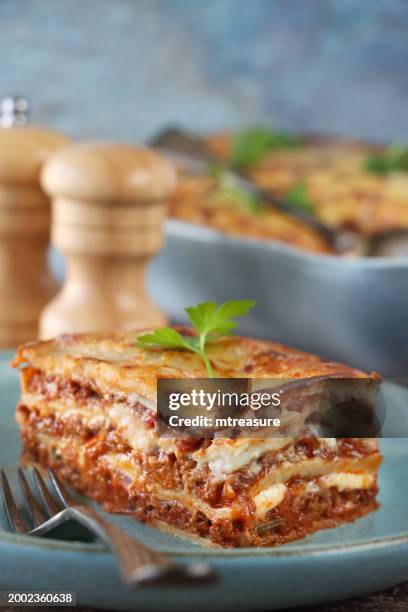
(140, 565)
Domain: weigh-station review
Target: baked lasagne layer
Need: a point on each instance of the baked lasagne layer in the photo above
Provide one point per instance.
(87, 410)
(340, 192)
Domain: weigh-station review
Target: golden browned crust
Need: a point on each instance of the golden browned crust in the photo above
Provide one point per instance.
(114, 362)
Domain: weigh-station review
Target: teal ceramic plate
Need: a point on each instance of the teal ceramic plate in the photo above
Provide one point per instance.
(354, 559)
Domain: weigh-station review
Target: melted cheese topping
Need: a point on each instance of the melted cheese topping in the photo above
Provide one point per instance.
(344, 481)
(269, 499)
(224, 457)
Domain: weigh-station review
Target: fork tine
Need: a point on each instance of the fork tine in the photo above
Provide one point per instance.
(61, 489)
(49, 501)
(36, 512)
(14, 517)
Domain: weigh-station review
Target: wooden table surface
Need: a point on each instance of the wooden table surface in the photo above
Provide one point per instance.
(394, 599)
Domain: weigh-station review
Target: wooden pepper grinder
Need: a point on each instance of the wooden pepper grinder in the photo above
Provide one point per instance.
(109, 204)
(26, 282)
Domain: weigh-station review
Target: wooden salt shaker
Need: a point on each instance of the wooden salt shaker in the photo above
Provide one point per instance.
(109, 204)
(26, 282)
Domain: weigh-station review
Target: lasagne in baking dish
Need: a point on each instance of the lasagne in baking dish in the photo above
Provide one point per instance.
(336, 185)
(198, 200)
(88, 410)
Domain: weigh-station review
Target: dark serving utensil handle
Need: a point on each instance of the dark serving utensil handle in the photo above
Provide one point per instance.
(247, 185)
(140, 565)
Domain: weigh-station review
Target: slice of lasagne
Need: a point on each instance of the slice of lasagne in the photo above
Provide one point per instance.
(88, 410)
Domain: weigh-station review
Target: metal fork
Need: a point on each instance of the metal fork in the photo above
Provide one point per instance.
(138, 564)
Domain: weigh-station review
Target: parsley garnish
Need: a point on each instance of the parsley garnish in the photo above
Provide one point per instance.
(298, 196)
(395, 159)
(250, 146)
(209, 320)
(228, 188)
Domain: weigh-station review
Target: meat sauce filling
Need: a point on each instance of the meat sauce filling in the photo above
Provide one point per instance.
(300, 513)
(56, 387)
(169, 470)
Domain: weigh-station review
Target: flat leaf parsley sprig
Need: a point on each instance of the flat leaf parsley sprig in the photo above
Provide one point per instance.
(394, 159)
(298, 195)
(250, 146)
(228, 188)
(209, 320)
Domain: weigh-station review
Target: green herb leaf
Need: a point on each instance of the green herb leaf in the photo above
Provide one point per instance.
(298, 196)
(229, 189)
(209, 320)
(377, 165)
(250, 146)
(165, 337)
(217, 170)
(395, 159)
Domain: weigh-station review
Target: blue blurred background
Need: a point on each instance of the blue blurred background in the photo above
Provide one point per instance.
(122, 69)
